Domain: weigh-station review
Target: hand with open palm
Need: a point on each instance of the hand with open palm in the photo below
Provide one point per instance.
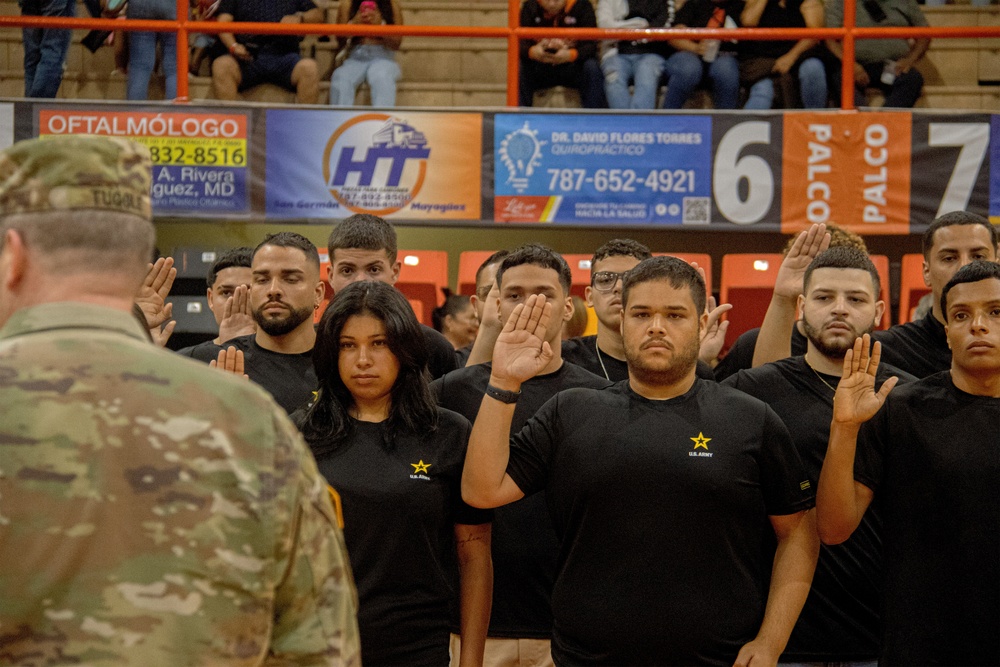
(856, 400)
(521, 350)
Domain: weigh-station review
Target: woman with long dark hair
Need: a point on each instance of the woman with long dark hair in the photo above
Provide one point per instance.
(396, 460)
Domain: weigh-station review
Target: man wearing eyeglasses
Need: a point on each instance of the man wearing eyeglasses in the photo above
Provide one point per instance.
(604, 353)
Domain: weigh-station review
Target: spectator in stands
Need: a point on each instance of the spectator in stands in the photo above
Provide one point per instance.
(640, 62)
(560, 62)
(371, 59)
(256, 59)
(142, 49)
(706, 59)
(456, 319)
(202, 10)
(45, 48)
(765, 62)
(886, 64)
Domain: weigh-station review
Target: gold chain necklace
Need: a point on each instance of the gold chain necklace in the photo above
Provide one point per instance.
(818, 376)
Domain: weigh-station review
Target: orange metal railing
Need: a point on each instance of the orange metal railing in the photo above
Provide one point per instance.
(848, 35)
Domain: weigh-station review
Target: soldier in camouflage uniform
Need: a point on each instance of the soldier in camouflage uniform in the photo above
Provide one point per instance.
(153, 511)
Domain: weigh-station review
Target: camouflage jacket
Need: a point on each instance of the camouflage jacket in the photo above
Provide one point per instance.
(154, 511)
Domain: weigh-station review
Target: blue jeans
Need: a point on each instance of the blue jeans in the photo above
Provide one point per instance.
(45, 49)
(142, 49)
(812, 87)
(685, 70)
(372, 62)
(645, 69)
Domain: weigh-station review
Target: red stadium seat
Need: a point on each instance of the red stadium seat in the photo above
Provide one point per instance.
(418, 309)
(747, 283)
(324, 271)
(911, 286)
(422, 275)
(468, 263)
(579, 266)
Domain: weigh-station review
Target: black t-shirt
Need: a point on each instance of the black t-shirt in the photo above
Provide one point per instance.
(920, 348)
(740, 355)
(584, 352)
(266, 11)
(775, 16)
(441, 357)
(661, 509)
(401, 504)
(525, 547)
(696, 13)
(840, 620)
(462, 356)
(289, 378)
(657, 14)
(932, 457)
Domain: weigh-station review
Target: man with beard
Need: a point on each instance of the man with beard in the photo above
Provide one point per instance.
(285, 291)
(840, 620)
(660, 490)
(921, 347)
(927, 455)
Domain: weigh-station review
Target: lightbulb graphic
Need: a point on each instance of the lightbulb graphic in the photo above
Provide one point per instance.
(521, 153)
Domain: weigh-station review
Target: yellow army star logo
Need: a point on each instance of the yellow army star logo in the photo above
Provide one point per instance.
(701, 441)
(420, 467)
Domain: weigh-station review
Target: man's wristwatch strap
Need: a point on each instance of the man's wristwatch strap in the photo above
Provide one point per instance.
(502, 395)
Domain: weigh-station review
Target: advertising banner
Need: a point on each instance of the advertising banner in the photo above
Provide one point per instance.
(874, 172)
(332, 164)
(849, 169)
(603, 170)
(200, 160)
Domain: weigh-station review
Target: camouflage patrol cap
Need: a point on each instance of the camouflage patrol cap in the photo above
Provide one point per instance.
(75, 172)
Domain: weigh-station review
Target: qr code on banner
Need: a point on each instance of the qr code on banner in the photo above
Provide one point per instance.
(696, 211)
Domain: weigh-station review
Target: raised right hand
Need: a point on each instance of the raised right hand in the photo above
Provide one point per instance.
(856, 400)
(521, 350)
(791, 274)
(237, 319)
